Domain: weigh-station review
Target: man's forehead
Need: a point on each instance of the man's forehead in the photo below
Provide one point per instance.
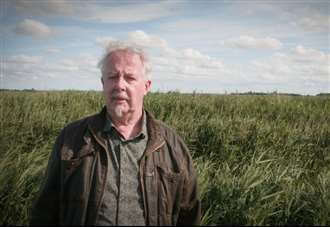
(124, 56)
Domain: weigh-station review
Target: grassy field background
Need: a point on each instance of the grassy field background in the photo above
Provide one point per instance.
(261, 160)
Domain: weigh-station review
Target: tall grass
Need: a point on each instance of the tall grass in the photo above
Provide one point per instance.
(261, 160)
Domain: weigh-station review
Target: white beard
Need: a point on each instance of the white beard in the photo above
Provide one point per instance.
(119, 111)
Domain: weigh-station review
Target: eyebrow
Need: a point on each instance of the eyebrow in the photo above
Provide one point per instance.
(113, 71)
(116, 72)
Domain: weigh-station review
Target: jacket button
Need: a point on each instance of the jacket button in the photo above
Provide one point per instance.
(151, 174)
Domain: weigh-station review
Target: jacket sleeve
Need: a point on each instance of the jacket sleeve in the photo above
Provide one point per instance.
(190, 208)
(45, 210)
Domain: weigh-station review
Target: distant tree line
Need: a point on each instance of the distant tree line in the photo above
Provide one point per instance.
(195, 92)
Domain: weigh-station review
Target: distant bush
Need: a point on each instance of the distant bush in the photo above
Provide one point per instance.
(323, 94)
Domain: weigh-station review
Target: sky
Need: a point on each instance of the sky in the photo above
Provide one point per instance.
(203, 46)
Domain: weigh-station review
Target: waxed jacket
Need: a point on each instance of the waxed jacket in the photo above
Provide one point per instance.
(76, 175)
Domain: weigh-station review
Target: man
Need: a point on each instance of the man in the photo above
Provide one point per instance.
(121, 166)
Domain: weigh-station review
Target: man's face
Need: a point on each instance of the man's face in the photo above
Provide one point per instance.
(124, 85)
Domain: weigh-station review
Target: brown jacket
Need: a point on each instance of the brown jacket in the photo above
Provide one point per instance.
(77, 171)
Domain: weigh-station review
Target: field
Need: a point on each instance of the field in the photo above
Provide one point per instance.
(261, 160)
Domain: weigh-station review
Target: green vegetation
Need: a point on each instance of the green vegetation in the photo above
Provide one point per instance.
(261, 160)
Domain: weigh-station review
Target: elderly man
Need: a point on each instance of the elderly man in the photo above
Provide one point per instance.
(120, 166)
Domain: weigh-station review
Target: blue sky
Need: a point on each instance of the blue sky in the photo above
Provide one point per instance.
(207, 46)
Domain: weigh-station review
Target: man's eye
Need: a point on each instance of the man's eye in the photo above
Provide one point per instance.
(130, 77)
(112, 76)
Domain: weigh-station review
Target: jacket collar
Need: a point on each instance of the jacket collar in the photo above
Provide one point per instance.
(97, 122)
(156, 140)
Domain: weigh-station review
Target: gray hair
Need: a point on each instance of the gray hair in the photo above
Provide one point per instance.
(133, 47)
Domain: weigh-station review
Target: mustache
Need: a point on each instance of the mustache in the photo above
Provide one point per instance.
(118, 95)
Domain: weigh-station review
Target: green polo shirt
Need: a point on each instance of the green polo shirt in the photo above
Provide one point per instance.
(122, 202)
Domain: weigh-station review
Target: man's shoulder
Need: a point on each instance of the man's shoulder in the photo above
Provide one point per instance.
(166, 131)
(165, 128)
(81, 123)
(173, 140)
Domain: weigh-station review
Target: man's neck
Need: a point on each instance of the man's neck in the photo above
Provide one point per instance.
(129, 125)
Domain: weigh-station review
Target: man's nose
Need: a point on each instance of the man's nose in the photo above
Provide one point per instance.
(120, 83)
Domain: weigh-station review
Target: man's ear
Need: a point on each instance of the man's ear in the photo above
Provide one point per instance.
(147, 86)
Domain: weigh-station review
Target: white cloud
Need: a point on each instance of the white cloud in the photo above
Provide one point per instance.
(107, 12)
(45, 8)
(191, 53)
(133, 12)
(299, 64)
(250, 42)
(146, 40)
(53, 50)
(281, 21)
(84, 65)
(295, 68)
(24, 59)
(22, 69)
(312, 17)
(176, 63)
(137, 37)
(104, 41)
(309, 54)
(33, 28)
(314, 23)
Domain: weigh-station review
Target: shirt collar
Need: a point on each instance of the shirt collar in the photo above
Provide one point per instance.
(109, 126)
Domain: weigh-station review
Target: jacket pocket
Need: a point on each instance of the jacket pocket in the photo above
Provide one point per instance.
(170, 186)
(71, 164)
